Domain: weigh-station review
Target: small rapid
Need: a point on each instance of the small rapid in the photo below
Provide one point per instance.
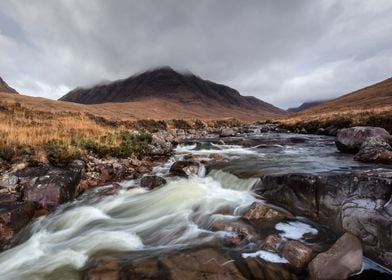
(177, 215)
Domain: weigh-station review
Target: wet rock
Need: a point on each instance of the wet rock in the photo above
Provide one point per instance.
(272, 243)
(349, 140)
(343, 259)
(216, 156)
(296, 253)
(375, 149)
(360, 203)
(227, 132)
(104, 268)
(48, 186)
(184, 168)
(321, 131)
(332, 130)
(152, 182)
(259, 211)
(202, 264)
(13, 217)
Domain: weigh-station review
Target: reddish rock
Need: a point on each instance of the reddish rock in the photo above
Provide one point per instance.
(343, 259)
(296, 253)
(272, 243)
(184, 168)
(259, 211)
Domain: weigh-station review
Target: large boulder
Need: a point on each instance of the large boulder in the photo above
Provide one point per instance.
(48, 186)
(152, 182)
(349, 140)
(343, 259)
(296, 253)
(184, 168)
(358, 202)
(375, 149)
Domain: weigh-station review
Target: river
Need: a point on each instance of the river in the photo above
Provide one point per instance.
(180, 215)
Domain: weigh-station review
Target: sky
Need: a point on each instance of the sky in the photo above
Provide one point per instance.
(282, 51)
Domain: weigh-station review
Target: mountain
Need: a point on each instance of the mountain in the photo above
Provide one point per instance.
(374, 97)
(6, 88)
(304, 106)
(165, 87)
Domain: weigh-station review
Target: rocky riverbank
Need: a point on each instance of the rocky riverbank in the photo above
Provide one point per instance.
(253, 239)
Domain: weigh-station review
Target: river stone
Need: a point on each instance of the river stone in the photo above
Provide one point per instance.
(13, 217)
(202, 264)
(152, 182)
(259, 211)
(296, 253)
(349, 140)
(227, 132)
(375, 149)
(343, 259)
(104, 268)
(184, 168)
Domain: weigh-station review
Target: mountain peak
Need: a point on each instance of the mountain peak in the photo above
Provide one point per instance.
(4, 87)
(169, 86)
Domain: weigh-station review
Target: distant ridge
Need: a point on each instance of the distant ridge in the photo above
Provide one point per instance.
(167, 85)
(6, 88)
(305, 105)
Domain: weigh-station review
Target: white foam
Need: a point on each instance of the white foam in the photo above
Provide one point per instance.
(265, 255)
(295, 230)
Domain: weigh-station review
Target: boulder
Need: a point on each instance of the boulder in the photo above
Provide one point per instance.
(375, 149)
(13, 217)
(272, 243)
(349, 140)
(184, 168)
(49, 186)
(152, 182)
(216, 156)
(104, 268)
(296, 253)
(227, 132)
(9, 182)
(343, 259)
(258, 211)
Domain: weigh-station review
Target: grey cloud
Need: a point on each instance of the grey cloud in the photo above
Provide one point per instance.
(284, 52)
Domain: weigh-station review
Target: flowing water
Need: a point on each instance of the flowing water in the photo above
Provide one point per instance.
(179, 215)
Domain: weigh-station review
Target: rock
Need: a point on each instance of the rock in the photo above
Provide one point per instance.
(184, 168)
(48, 186)
(152, 182)
(216, 156)
(202, 264)
(13, 218)
(259, 211)
(296, 253)
(227, 132)
(343, 259)
(104, 268)
(332, 130)
(349, 140)
(9, 182)
(321, 131)
(375, 149)
(272, 243)
(360, 203)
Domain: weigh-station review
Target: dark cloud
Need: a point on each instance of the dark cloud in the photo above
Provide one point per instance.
(284, 52)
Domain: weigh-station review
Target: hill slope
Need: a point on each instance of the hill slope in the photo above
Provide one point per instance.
(170, 87)
(372, 97)
(371, 105)
(6, 88)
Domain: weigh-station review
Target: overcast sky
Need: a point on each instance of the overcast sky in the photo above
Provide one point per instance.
(284, 52)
